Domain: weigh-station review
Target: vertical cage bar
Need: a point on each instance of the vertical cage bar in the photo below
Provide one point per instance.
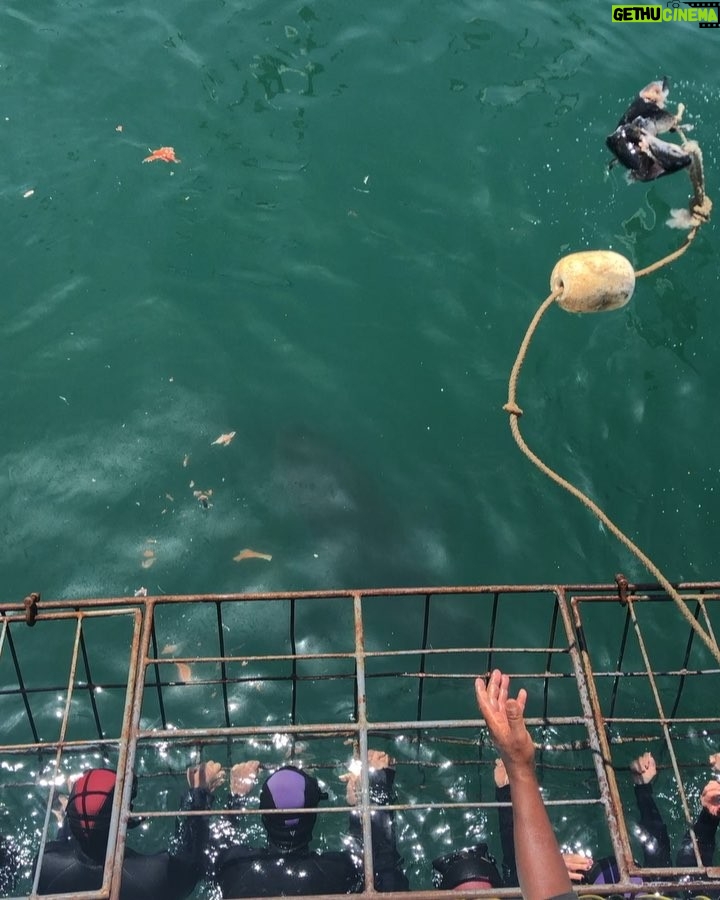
(58, 758)
(619, 665)
(126, 759)
(158, 682)
(665, 729)
(597, 734)
(143, 634)
(293, 701)
(223, 664)
(90, 685)
(493, 627)
(363, 736)
(21, 683)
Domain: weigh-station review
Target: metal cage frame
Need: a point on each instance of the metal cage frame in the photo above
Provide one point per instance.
(603, 686)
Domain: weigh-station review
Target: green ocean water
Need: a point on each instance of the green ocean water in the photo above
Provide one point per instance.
(369, 203)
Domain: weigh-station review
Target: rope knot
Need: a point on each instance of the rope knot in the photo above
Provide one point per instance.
(512, 408)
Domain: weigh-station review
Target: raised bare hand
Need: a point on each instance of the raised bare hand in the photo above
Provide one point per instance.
(643, 769)
(243, 777)
(710, 798)
(208, 775)
(504, 718)
(377, 759)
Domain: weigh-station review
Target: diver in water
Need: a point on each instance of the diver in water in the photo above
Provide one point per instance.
(75, 861)
(635, 142)
(286, 865)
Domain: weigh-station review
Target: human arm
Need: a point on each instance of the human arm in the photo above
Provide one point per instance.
(187, 853)
(705, 828)
(387, 862)
(232, 831)
(541, 871)
(656, 850)
(577, 864)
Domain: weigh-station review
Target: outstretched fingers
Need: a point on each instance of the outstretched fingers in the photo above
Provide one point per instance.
(504, 717)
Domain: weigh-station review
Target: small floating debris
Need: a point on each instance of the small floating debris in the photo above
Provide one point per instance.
(252, 554)
(166, 154)
(203, 498)
(224, 439)
(184, 672)
(148, 554)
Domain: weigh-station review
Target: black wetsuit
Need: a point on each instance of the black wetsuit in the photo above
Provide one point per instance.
(656, 841)
(68, 868)
(654, 833)
(9, 865)
(657, 850)
(243, 871)
(507, 842)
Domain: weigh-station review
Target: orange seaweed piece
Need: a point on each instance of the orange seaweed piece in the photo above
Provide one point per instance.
(224, 439)
(166, 154)
(252, 554)
(184, 672)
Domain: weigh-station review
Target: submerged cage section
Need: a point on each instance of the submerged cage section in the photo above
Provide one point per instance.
(151, 685)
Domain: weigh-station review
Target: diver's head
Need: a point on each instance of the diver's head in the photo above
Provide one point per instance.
(290, 788)
(89, 809)
(468, 869)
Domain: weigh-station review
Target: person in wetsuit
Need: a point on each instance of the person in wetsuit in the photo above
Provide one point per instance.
(540, 868)
(9, 866)
(654, 834)
(75, 861)
(287, 865)
(475, 867)
(471, 868)
(657, 848)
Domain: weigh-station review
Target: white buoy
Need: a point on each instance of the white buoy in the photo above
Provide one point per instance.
(593, 281)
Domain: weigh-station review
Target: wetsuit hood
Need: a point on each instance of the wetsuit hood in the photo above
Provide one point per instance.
(89, 809)
(290, 788)
(470, 864)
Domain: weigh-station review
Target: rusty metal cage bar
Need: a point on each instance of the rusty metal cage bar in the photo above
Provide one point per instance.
(695, 878)
(567, 635)
(58, 747)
